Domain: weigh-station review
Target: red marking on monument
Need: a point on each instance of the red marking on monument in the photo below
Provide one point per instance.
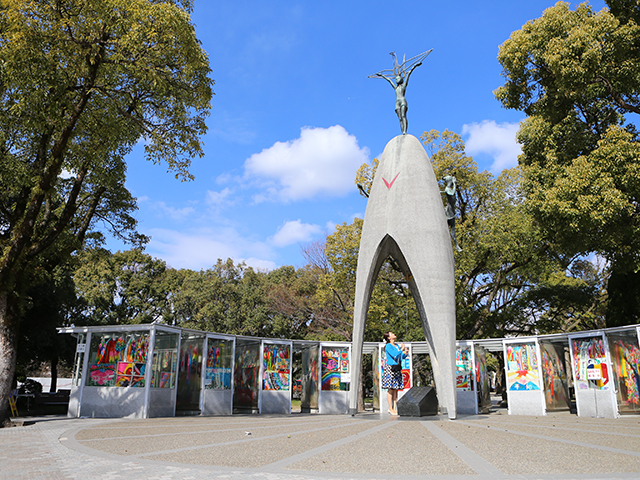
(389, 185)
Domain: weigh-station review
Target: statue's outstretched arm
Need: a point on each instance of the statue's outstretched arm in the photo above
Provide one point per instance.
(380, 75)
(406, 82)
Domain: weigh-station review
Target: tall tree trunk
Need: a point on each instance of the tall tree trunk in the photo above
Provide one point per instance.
(623, 290)
(9, 321)
(501, 381)
(54, 373)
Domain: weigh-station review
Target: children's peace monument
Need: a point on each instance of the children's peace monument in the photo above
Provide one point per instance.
(405, 220)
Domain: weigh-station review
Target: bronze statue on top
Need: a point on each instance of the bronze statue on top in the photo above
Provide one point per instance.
(398, 78)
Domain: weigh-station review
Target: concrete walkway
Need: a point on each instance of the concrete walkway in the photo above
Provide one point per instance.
(300, 446)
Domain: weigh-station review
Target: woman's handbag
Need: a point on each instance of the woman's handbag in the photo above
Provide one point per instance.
(398, 366)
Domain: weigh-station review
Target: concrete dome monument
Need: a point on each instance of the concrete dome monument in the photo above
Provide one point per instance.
(405, 219)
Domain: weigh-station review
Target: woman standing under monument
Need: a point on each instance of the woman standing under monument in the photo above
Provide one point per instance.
(392, 375)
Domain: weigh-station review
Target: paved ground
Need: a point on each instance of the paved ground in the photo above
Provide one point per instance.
(300, 446)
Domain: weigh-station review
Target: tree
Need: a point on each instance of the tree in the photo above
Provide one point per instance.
(81, 82)
(574, 73)
(502, 255)
(125, 287)
(389, 308)
(212, 300)
(50, 303)
(291, 299)
(566, 301)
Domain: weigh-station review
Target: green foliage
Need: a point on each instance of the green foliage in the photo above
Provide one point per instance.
(133, 287)
(81, 82)
(502, 256)
(390, 308)
(575, 74)
(51, 302)
(227, 298)
(568, 301)
(125, 287)
(365, 174)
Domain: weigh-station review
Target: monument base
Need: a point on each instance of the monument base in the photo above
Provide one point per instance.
(418, 402)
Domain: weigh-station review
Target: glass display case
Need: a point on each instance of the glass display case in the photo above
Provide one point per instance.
(554, 376)
(525, 395)
(464, 368)
(246, 376)
(276, 366)
(335, 372)
(592, 376)
(219, 359)
(217, 396)
(466, 395)
(589, 363)
(335, 368)
(276, 377)
(482, 379)
(625, 358)
(521, 362)
(190, 372)
(310, 368)
(118, 359)
(165, 360)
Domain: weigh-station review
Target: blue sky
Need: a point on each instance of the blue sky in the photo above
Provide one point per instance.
(295, 115)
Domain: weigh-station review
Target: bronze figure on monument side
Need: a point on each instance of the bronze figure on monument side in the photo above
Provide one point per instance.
(450, 209)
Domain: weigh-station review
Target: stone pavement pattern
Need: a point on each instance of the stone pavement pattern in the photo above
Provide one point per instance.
(292, 447)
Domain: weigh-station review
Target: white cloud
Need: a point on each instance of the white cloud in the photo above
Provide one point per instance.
(231, 129)
(225, 178)
(359, 215)
(497, 140)
(323, 161)
(178, 214)
(293, 232)
(330, 227)
(259, 264)
(201, 249)
(218, 199)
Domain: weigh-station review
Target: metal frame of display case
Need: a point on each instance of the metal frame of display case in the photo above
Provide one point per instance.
(137, 399)
(333, 402)
(603, 402)
(525, 401)
(467, 400)
(275, 401)
(217, 401)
